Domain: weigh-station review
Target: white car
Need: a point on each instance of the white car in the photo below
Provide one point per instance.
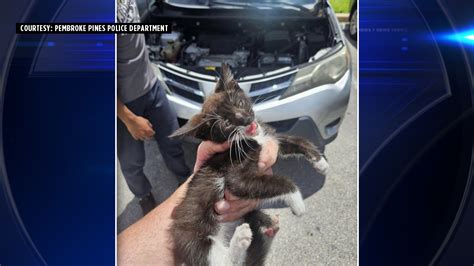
(289, 56)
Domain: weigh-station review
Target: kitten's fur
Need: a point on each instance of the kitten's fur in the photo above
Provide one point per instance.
(199, 238)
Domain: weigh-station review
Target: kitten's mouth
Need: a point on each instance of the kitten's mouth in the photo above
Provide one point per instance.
(251, 129)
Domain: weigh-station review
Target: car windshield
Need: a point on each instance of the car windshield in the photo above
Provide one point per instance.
(266, 2)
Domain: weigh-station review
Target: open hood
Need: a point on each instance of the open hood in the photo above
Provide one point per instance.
(251, 39)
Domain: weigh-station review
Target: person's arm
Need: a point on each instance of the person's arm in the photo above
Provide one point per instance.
(140, 128)
(147, 242)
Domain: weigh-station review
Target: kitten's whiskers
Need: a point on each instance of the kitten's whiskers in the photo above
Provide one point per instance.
(230, 139)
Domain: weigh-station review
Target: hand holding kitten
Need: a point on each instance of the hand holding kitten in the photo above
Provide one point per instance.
(148, 241)
(232, 208)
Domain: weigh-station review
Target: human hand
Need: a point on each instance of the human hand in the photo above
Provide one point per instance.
(140, 128)
(232, 208)
(268, 155)
(205, 151)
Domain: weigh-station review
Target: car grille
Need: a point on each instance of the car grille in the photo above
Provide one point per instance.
(184, 87)
(270, 89)
(260, 91)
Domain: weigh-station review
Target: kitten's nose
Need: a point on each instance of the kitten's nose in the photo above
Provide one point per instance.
(247, 120)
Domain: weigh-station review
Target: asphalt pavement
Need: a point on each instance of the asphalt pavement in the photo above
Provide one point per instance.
(325, 235)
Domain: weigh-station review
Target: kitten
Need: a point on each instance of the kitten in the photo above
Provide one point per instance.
(199, 238)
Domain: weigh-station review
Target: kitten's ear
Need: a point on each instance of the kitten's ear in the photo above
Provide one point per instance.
(226, 75)
(226, 81)
(190, 128)
(219, 86)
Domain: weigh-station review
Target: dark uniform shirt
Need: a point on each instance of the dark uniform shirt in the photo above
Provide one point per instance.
(135, 75)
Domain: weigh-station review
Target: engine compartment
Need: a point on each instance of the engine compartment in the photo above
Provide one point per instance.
(255, 42)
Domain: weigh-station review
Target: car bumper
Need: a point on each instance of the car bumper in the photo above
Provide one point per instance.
(316, 113)
(303, 127)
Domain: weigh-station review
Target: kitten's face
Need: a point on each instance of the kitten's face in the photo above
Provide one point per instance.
(226, 115)
(232, 104)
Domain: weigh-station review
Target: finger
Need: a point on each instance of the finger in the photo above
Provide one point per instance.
(239, 205)
(198, 165)
(264, 158)
(232, 203)
(229, 217)
(226, 207)
(205, 151)
(229, 196)
(143, 136)
(221, 206)
(147, 132)
(151, 132)
(149, 135)
(268, 156)
(209, 148)
(269, 171)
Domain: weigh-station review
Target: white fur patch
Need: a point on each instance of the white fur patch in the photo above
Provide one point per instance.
(220, 186)
(293, 200)
(225, 232)
(239, 244)
(229, 245)
(218, 254)
(261, 137)
(322, 166)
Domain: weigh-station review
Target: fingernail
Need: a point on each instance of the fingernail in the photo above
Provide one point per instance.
(261, 165)
(222, 205)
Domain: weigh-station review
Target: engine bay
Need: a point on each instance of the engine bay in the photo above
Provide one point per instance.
(271, 49)
(252, 43)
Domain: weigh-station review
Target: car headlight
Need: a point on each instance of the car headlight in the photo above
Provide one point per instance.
(327, 71)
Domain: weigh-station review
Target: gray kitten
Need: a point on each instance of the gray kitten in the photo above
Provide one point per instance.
(199, 238)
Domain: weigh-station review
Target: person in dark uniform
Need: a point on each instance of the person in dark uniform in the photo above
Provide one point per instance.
(143, 111)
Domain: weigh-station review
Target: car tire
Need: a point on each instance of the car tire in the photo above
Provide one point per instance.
(353, 24)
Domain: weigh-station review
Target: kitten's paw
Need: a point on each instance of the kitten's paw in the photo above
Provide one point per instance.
(321, 166)
(242, 236)
(297, 204)
(270, 231)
